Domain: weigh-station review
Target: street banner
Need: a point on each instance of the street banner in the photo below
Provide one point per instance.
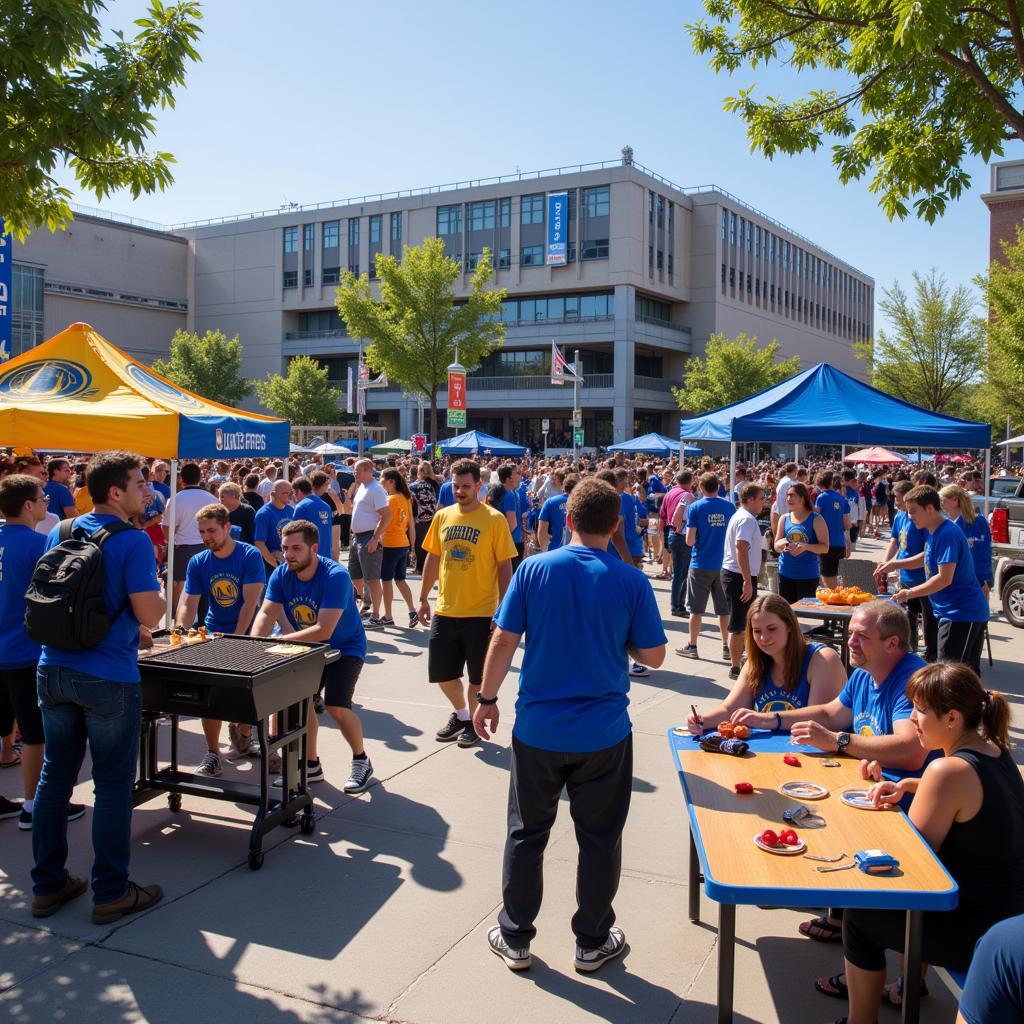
(6, 274)
(419, 443)
(457, 389)
(561, 371)
(558, 229)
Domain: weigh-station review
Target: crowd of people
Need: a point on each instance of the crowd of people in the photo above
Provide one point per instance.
(541, 549)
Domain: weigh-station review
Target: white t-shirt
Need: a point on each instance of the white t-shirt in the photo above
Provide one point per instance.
(369, 500)
(264, 487)
(780, 496)
(184, 506)
(742, 526)
(45, 525)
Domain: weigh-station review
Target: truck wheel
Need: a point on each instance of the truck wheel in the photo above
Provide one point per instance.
(1013, 601)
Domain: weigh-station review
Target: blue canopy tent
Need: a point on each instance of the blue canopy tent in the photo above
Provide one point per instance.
(474, 441)
(823, 405)
(654, 444)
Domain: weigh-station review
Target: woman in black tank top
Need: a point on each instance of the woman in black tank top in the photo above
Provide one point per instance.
(969, 806)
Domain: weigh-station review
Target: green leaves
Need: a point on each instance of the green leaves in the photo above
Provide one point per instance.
(930, 82)
(730, 371)
(302, 395)
(211, 366)
(69, 98)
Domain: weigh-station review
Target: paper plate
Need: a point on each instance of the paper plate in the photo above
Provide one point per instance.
(803, 790)
(782, 851)
(858, 798)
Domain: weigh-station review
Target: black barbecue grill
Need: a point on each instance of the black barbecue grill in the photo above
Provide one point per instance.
(236, 679)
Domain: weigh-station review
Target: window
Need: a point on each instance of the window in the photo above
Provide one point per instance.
(650, 208)
(661, 211)
(307, 237)
(481, 216)
(353, 231)
(26, 308)
(595, 202)
(532, 210)
(330, 275)
(671, 268)
(321, 321)
(647, 366)
(396, 227)
(757, 241)
(652, 309)
(532, 256)
(375, 229)
(504, 259)
(732, 228)
(504, 213)
(353, 268)
(650, 255)
(331, 234)
(723, 277)
(595, 249)
(732, 279)
(725, 224)
(291, 278)
(749, 233)
(449, 220)
(307, 277)
(472, 259)
(291, 239)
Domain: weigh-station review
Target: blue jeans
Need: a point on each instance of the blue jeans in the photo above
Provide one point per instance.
(77, 708)
(680, 552)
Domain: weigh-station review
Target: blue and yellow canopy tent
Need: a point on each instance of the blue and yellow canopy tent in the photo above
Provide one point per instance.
(78, 392)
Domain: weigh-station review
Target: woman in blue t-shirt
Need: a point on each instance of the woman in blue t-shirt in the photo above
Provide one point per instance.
(800, 537)
(782, 671)
(957, 504)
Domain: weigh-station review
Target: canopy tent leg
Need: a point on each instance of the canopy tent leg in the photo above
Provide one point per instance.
(919, 457)
(732, 468)
(285, 467)
(796, 453)
(169, 617)
(844, 453)
(988, 474)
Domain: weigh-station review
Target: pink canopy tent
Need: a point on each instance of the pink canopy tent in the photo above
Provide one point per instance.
(875, 457)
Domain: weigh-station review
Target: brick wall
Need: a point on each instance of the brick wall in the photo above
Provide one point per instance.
(1004, 217)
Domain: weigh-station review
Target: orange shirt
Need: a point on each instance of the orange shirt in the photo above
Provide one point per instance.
(396, 534)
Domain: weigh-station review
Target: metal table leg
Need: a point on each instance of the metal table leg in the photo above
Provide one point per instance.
(694, 881)
(726, 960)
(845, 656)
(912, 967)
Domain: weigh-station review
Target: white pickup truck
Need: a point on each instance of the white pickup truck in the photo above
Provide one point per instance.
(1006, 517)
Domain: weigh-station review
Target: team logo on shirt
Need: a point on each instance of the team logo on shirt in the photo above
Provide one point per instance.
(303, 614)
(461, 555)
(458, 532)
(281, 524)
(46, 379)
(865, 730)
(716, 519)
(224, 591)
(773, 706)
(797, 536)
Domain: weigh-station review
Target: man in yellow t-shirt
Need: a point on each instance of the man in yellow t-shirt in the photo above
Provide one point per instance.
(469, 554)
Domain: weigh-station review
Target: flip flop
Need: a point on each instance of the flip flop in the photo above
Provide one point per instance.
(887, 996)
(837, 988)
(833, 932)
(11, 764)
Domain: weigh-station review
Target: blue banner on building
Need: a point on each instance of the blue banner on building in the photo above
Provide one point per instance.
(6, 300)
(558, 229)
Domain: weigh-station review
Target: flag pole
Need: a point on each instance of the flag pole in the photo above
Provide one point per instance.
(360, 398)
(575, 402)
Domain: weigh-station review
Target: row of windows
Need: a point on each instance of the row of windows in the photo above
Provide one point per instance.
(600, 305)
(26, 308)
(486, 214)
(536, 362)
(331, 231)
(652, 309)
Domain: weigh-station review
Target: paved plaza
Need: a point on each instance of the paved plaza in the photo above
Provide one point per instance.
(381, 914)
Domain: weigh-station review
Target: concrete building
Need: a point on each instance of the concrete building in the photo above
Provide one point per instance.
(1005, 202)
(653, 270)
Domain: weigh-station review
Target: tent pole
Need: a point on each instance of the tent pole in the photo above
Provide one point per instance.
(844, 453)
(796, 452)
(732, 468)
(169, 618)
(988, 473)
(285, 467)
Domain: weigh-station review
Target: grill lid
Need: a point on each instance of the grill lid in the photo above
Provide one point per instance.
(237, 655)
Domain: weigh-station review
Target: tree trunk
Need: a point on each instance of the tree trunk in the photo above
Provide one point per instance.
(434, 439)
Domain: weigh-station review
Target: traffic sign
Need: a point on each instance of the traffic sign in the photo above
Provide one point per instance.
(545, 426)
(577, 418)
(577, 438)
(419, 443)
(456, 417)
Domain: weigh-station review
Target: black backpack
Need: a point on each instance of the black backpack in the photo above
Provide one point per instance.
(65, 605)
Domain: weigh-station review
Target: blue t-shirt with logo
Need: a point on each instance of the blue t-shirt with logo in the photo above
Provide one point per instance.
(631, 510)
(222, 582)
(553, 513)
(771, 697)
(579, 608)
(316, 511)
(832, 506)
(963, 600)
(20, 548)
(655, 485)
(269, 523)
(446, 496)
(710, 517)
(804, 566)
(512, 504)
(911, 540)
(979, 540)
(128, 568)
(329, 587)
(60, 498)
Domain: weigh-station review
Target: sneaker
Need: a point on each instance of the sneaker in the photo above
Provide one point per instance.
(414, 620)
(726, 656)
(468, 738)
(315, 772)
(638, 671)
(44, 906)
(515, 959)
(592, 959)
(318, 703)
(689, 651)
(386, 620)
(374, 623)
(452, 730)
(136, 898)
(75, 811)
(734, 673)
(362, 771)
(210, 765)
(366, 611)
(9, 808)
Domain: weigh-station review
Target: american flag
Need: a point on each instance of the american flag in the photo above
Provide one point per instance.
(560, 369)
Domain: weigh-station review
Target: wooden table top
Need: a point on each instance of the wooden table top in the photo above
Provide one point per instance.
(811, 606)
(736, 871)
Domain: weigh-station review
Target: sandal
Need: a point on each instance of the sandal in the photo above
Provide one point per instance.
(834, 987)
(887, 993)
(828, 932)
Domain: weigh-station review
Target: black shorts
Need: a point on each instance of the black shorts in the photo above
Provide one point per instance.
(791, 590)
(829, 561)
(394, 563)
(182, 555)
(456, 644)
(339, 681)
(19, 701)
(732, 584)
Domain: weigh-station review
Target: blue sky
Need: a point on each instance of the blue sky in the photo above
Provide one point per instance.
(317, 100)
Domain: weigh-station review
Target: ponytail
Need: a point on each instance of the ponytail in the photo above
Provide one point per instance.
(946, 686)
(995, 719)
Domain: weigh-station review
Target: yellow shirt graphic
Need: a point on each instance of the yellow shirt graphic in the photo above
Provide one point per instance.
(469, 546)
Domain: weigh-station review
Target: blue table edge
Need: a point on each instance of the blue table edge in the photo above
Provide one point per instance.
(745, 895)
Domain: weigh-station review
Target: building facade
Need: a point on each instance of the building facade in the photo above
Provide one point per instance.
(1005, 202)
(652, 271)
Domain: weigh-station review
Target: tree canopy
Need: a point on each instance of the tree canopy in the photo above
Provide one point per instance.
(302, 395)
(416, 326)
(731, 370)
(67, 97)
(935, 352)
(926, 84)
(210, 366)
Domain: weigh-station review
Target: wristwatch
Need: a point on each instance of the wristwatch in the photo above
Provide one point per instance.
(842, 742)
(486, 701)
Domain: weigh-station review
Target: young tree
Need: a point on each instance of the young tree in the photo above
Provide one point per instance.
(936, 348)
(929, 84)
(210, 366)
(68, 98)
(730, 371)
(303, 395)
(416, 326)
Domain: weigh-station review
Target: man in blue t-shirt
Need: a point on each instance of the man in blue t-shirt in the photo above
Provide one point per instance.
(994, 990)
(835, 510)
(270, 522)
(510, 479)
(706, 522)
(316, 596)
(228, 576)
(551, 533)
(960, 606)
(314, 510)
(62, 501)
(634, 518)
(585, 614)
(95, 694)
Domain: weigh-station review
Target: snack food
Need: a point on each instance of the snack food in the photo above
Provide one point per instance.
(726, 730)
(792, 760)
(741, 732)
(769, 837)
(744, 787)
(788, 837)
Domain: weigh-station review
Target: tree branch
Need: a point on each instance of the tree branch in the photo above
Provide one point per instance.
(1016, 34)
(843, 101)
(969, 66)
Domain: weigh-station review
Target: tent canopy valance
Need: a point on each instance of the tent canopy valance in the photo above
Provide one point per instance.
(823, 405)
(654, 444)
(473, 441)
(875, 456)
